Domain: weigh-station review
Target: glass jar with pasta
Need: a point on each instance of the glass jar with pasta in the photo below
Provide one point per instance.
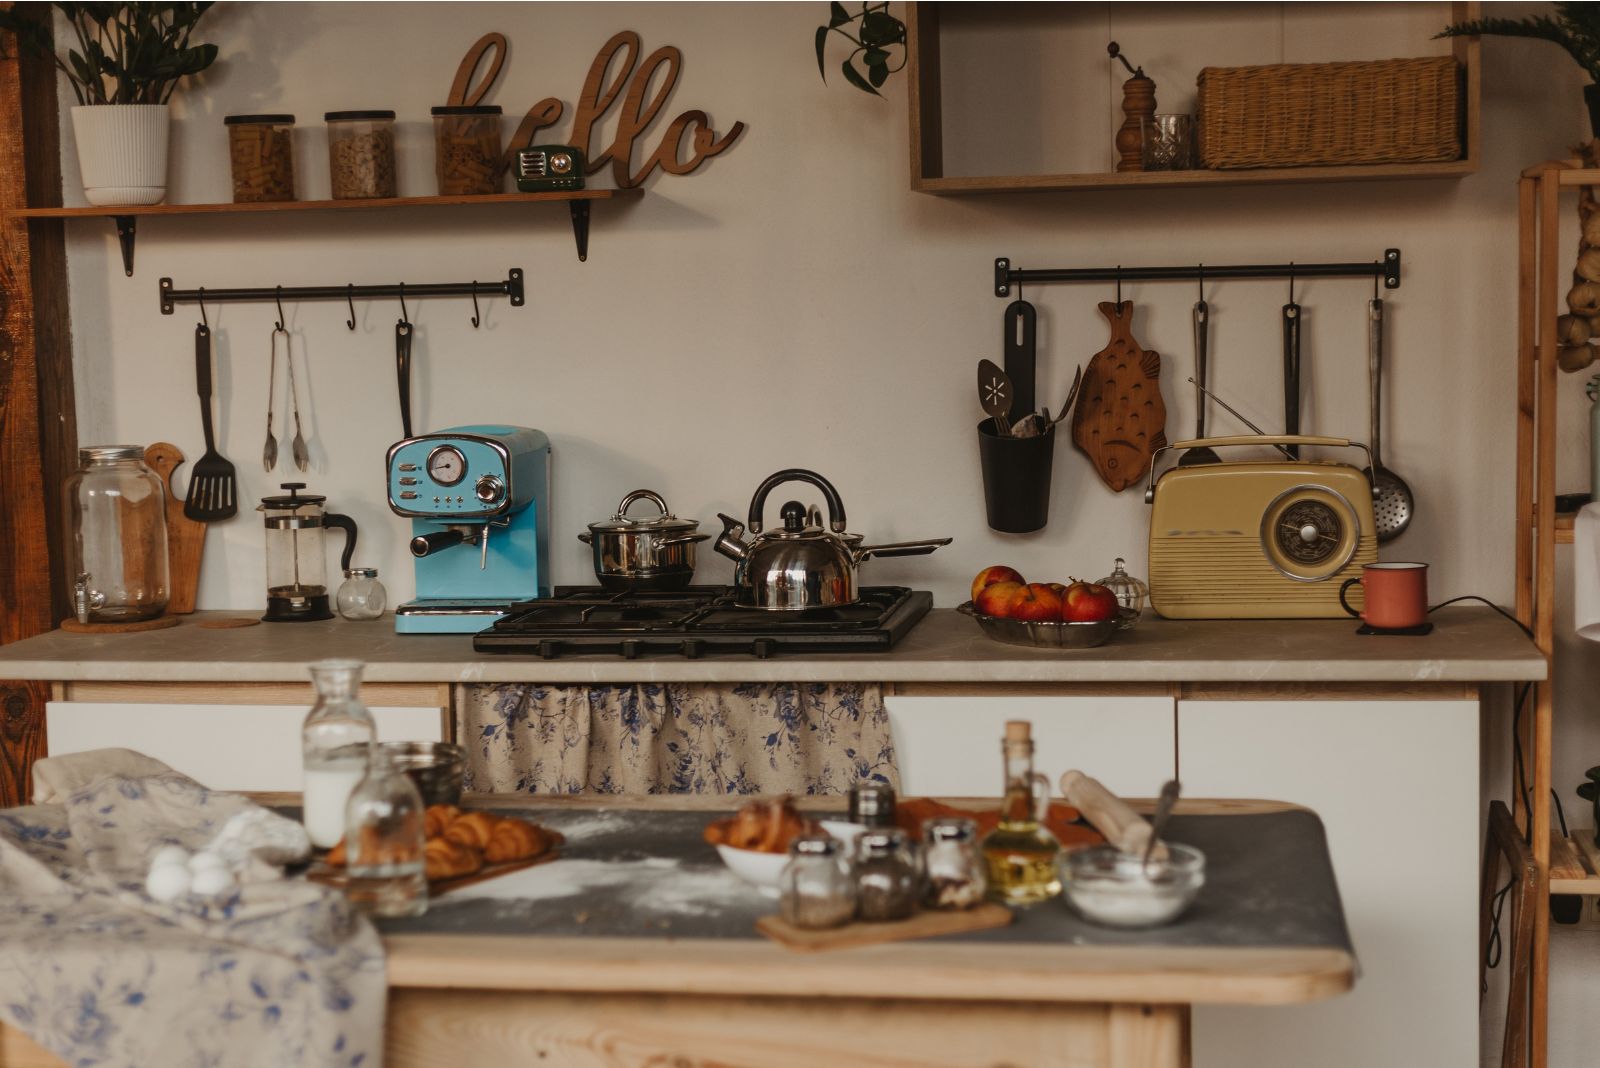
(467, 149)
(361, 154)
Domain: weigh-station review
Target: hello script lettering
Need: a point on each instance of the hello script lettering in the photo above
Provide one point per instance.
(598, 95)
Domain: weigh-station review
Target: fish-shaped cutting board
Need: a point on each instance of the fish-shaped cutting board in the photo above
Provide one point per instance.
(1120, 420)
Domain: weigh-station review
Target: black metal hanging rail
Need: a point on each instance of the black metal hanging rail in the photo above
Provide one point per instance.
(1387, 270)
(510, 287)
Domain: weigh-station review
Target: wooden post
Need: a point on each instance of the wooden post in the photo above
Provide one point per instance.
(37, 426)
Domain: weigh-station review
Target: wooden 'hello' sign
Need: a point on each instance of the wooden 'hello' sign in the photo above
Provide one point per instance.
(597, 98)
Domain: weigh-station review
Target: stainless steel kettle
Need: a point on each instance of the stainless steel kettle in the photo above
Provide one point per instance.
(803, 565)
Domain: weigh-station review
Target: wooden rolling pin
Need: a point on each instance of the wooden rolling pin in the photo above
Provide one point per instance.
(186, 539)
(1110, 815)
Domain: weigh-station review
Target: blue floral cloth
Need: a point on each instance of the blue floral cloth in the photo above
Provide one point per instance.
(766, 738)
(278, 973)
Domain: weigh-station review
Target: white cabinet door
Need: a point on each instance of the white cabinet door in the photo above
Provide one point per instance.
(950, 746)
(1396, 785)
(225, 747)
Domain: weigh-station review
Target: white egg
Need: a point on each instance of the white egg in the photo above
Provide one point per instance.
(212, 882)
(167, 882)
(169, 854)
(206, 859)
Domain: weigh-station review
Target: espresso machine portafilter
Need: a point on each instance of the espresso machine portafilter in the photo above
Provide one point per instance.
(478, 501)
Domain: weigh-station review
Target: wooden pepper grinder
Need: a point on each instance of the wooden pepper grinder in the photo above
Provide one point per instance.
(1138, 104)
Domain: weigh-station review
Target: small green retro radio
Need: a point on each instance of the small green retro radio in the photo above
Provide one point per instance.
(544, 168)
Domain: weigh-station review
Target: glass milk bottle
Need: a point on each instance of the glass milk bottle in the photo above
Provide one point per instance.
(335, 739)
(384, 841)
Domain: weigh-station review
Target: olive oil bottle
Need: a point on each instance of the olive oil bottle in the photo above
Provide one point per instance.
(1020, 853)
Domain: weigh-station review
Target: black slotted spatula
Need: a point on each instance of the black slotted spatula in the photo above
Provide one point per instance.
(213, 489)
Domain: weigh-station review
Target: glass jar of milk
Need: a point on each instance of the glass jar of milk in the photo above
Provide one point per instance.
(335, 742)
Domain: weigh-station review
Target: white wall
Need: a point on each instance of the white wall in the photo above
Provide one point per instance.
(793, 304)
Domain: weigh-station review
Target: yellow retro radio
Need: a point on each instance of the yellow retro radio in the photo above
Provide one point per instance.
(1252, 539)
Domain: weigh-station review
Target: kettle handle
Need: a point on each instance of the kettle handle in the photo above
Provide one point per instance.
(758, 503)
(348, 525)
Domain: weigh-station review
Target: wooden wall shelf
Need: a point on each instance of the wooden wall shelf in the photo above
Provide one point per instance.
(1574, 862)
(126, 216)
(925, 92)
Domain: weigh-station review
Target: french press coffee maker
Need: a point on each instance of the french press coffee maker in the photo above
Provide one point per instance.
(297, 586)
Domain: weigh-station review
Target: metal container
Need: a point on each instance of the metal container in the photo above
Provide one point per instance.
(1045, 634)
(652, 553)
(435, 768)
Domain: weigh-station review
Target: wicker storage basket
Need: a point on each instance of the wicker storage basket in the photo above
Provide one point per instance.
(1306, 114)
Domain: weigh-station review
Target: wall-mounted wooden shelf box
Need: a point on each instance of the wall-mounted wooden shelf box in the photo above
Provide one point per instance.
(928, 94)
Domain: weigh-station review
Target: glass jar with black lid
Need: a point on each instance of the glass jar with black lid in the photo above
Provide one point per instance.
(361, 154)
(466, 140)
(261, 157)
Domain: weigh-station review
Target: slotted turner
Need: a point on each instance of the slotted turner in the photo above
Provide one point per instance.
(213, 490)
(1393, 502)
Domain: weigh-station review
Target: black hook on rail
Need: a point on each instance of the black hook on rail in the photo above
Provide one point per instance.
(201, 300)
(350, 299)
(1291, 281)
(405, 316)
(277, 298)
(1201, 275)
(1119, 285)
(474, 304)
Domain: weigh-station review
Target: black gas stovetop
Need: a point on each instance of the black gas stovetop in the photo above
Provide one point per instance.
(698, 621)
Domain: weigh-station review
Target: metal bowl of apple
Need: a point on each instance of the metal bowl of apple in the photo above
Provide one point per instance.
(1044, 633)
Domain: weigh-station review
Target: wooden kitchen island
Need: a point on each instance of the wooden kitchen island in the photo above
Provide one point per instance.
(1378, 735)
(647, 955)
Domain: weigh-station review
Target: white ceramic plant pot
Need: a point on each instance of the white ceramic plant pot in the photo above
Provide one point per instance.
(122, 152)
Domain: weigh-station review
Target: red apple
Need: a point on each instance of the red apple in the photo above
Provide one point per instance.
(1088, 602)
(1037, 602)
(991, 575)
(999, 599)
(1060, 588)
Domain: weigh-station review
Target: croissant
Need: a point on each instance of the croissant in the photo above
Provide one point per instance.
(515, 840)
(764, 826)
(437, 818)
(336, 855)
(444, 859)
(472, 829)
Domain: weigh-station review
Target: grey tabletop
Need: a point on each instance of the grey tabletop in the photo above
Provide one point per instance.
(647, 873)
(1468, 644)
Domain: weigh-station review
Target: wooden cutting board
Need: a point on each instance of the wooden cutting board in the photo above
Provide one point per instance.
(922, 925)
(186, 539)
(1120, 419)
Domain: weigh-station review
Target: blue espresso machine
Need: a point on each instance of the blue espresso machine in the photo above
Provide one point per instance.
(478, 498)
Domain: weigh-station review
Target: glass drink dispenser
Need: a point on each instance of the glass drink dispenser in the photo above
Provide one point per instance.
(297, 584)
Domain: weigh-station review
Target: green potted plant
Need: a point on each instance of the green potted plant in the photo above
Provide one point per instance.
(876, 43)
(1575, 27)
(127, 61)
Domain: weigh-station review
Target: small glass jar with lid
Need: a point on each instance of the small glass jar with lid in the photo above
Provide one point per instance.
(384, 841)
(116, 512)
(815, 888)
(885, 875)
(261, 155)
(953, 867)
(466, 142)
(362, 596)
(1131, 593)
(361, 154)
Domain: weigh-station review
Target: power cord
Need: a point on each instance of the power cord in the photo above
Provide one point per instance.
(1484, 600)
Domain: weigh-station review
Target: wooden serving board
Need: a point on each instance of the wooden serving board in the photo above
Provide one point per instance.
(321, 872)
(1120, 419)
(186, 539)
(72, 626)
(922, 925)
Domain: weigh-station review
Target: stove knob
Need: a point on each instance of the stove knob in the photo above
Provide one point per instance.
(490, 489)
(631, 648)
(763, 647)
(693, 648)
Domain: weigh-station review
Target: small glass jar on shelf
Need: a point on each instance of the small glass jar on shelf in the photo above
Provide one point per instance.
(885, 875)
(954, 874)
(261, 157)
(361, 596)
(466, 144)
(815, 888)
(361, 160)
(116, 515)
(1131, 594)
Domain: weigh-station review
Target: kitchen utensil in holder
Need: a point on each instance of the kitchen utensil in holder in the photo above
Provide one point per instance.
(1016, 478)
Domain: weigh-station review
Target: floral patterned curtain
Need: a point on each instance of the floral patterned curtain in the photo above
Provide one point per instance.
(800, 738)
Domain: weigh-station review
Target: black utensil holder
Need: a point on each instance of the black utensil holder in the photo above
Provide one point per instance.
(1016, 478)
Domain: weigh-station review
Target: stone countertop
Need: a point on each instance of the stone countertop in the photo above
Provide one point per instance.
(1468, 644)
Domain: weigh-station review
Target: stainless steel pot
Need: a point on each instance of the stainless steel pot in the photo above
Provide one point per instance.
(803, 565)
(652, 553)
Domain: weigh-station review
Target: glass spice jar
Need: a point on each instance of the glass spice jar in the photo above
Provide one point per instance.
(362, 596)
(384, 841)
(872, 804)
(261, 155)
(466, 142)
(952, 864)
(1131, 594)
(885, 875)
(117, 513)
(815, 888)
(361, 154)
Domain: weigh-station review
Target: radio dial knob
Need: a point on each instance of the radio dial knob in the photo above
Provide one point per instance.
(490, 489)
(1309, 533)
